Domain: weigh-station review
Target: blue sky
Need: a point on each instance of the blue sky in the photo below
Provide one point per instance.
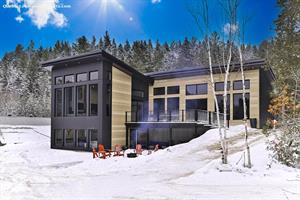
(165, 20)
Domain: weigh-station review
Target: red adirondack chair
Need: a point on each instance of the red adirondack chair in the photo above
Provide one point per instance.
(95, 153)
(102, 152)
(118, 150)
(138, 149)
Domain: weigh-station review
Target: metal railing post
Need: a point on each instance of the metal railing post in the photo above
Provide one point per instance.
(126, 120)
(209, 117)
(182, 115)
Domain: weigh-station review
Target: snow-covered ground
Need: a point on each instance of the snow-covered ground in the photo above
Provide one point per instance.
(29, 169)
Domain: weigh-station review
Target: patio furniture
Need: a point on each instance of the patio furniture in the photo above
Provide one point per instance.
(102, 152)
(138, 149)
(95, 153)
(118, 150)
(156, 148)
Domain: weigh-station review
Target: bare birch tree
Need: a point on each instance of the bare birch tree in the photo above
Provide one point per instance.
(200, 13)
(247, 158)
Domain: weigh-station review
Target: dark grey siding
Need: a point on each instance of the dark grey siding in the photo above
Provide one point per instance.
(78, 122)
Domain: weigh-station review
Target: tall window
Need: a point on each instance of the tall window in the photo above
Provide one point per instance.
(81, 77)
(238, 108)
(196, 104)
(58, 102)
(196, 89)
(219, 86)
(69, 101)
(82, 138)
(173, 104)
(220, 100)
(94, 75)
(94, 100)
(159, 91)
(69, 137)
(58, 137)
(238, 85)
(93, 135)
(173, 90)
(159, 105)
(81, 100)
(69, 79)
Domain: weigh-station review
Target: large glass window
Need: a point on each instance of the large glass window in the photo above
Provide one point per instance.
(202, 88)
(238, 108)
(173, 90)
(82, 138)
(159, 105)
(196, 104)
(69, 101)
(219, 86)
(81, 100)
(58, 137)
(69, 137)
(93, 138)
(220, 100)
(69, 79)
(94, 100)
(81, 77)
(58, 80)
(173, 104)
(196, 89)
(159, 91)
(58, 102)
(94, 75)
(191, 89)
(238, 85)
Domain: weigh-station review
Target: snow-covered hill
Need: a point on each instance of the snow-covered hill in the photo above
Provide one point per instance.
(29, 169)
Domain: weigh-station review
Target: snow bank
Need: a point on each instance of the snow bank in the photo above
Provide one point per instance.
(29, 121)
(29, 169)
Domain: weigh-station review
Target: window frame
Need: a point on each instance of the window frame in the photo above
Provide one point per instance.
(177, 88)
(222, 86)
(247, 87)
(69, 75)
(90, 75)
(157, 89)
(79, 74)
(56, 82)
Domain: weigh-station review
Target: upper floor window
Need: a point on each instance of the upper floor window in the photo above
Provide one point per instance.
(81, 77)
(58, 80)
(81, 100)
(173, 90)
(238, 85)
(94, 75)
(159, 91)
(138, 93)
(196, 89)
(93, 100)
(69, 79)
(219, 86)
(58, 102)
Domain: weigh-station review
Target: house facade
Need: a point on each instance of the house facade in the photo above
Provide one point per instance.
(98, 99)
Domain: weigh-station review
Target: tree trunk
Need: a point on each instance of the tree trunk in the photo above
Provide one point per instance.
(248, 163)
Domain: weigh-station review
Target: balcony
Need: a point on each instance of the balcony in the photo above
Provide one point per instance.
(177, 116)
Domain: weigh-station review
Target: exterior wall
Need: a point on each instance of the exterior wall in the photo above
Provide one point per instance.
(78, 122)
(252, 75)
(121, 102)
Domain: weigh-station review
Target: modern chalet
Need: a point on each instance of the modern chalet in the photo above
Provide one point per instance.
(98, 99)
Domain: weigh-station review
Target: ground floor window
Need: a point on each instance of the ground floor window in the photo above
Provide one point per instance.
(69, 137)
(58, 137)
(220, 100)
(238, 108)
(82, 138)
(93, 138)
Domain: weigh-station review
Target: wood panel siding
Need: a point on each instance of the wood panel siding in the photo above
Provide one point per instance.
(252, 75)
(121, 102)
